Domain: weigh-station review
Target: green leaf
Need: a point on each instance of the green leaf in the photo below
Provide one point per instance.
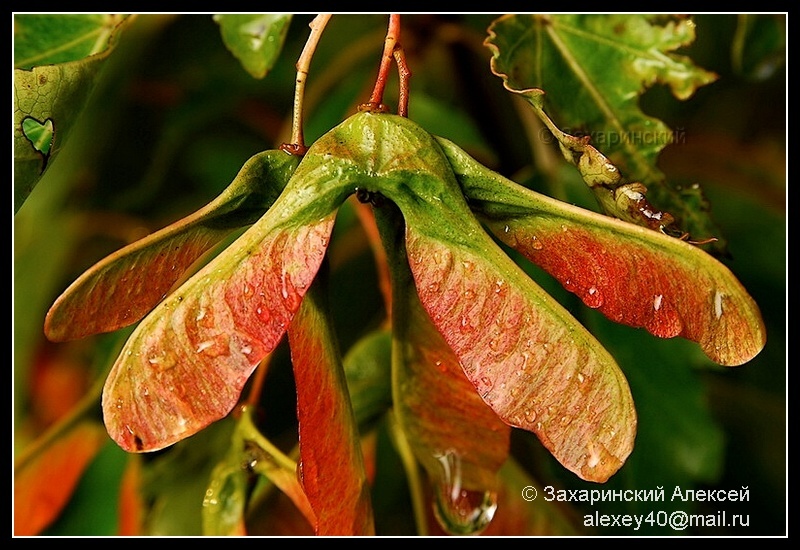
(39, 133)
(367, 366)
(225, 499)
(57, 60)
(120, 289)
(49, 39)
(255, 39)
(594, 68)
(632, 275)
(331, 467)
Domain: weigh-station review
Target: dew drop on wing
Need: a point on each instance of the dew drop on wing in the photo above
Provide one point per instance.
(460, 511)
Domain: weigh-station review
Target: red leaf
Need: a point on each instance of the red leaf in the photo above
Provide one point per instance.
(186, 363)
(45, 484)
(633, 275)
(120, 289)
(532, 363)
(441, 412)
(443, 418)
(674, 289)
(331, 466)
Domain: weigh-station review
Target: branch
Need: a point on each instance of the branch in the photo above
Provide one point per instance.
(297, 145)
(375, 102)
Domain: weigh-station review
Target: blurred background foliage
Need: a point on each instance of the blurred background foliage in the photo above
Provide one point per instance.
(174, 117)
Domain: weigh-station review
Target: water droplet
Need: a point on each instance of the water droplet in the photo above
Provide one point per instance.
(718, 304)
(665, 322)
(536, 244)
(593, 298)
(263, 314)
(581, 378)
(460, 511)
(594, 457)
(215, 347)
(657, 302)
(530, 415)
(162, 361)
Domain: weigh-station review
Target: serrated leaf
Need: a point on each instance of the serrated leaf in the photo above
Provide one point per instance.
(632, 275)
(255, 39)
(57, 60)
(123, 287)
(594, 68)
(331, 467)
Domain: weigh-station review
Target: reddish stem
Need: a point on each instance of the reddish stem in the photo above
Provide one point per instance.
(258, 381)
(375, 102)
(367, 219)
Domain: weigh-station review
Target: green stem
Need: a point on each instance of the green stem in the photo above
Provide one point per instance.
(418, 501)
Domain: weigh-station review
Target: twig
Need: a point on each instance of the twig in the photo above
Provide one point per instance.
(405, 74)
(375, 102)
(297, 145)
(258, 381)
